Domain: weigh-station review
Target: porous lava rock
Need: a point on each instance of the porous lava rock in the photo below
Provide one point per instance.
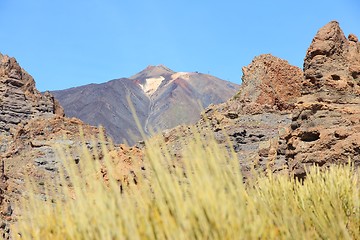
(286, 120)
(325, 128)
(254, 118)
(269, 84)
(332, 61)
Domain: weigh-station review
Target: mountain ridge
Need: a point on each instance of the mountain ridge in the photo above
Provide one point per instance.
(162, 99)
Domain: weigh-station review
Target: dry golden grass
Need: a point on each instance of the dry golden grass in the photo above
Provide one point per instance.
(201, 197)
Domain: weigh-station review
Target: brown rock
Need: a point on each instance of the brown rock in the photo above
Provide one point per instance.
(287, 122)
(352, 38)
(326, 123)
(325, 133)
(254, 119)
(20, 100)
(332, 61)
(32, 129)
(269, 83)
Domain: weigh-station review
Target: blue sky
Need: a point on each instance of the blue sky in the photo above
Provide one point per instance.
(64, 43)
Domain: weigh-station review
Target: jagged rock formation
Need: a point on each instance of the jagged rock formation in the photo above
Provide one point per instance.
(332, 61)
(32, 127)
(259, 92)
(20, 101)
(285, 119)
(161, 97)
(325, 128)
(255, 117)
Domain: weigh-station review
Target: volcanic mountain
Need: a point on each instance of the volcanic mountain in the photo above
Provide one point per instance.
(162, 99)
(283, 119)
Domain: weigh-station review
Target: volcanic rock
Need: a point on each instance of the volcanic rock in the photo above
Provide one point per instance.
(162, 99)
(282, 120)
(352, 38)
(254, 118)
(269, 84)
(325, 126)
(332, 61)
(20, 101)
(32, 129)
(286, 120)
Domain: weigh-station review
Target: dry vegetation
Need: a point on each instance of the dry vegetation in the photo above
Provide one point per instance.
(202, 197)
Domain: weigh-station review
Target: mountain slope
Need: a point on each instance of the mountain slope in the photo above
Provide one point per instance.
(162, 99)
(106, 104)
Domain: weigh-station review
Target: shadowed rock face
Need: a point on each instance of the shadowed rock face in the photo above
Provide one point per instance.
(161, 97)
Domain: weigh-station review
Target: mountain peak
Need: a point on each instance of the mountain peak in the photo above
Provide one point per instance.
(152, 71)
(159, 67)
(151, 77)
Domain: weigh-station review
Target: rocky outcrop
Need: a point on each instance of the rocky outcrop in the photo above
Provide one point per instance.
(269, 84)
(255, 117)
(20, 101)
(332, 61)
(284, 119)
(325, 128)
(32, 128)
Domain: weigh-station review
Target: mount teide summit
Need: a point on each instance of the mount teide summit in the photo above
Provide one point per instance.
(162, 99)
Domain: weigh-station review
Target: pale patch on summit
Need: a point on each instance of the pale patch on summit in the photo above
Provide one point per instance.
(184, 75)
(151, 85)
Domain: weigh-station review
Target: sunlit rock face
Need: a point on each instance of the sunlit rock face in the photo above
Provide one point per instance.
(286, 120)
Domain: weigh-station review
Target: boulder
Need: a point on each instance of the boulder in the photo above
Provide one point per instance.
(269, 84)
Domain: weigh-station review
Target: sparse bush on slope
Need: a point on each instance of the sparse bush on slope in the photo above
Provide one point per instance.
(200, 197)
